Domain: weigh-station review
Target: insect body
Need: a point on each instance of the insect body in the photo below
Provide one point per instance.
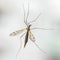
(26, 37)
(28, 30)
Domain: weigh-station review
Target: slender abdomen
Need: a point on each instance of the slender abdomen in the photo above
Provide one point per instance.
(26, 38)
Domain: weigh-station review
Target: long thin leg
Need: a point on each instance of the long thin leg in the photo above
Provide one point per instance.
(35, 19)
(22, 35)
(19, 48)
(25, 19)
(41, 29)
(40, 48)
(27, 13)
(20, 45)
(24, 14)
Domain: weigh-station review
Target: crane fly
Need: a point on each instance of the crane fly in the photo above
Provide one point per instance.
(28, 30)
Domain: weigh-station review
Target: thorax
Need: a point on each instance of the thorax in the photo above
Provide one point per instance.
(28, 28)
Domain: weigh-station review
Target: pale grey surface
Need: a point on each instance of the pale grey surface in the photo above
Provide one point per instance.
(11, 19)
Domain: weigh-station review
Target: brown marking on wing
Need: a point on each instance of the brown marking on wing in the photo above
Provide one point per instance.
(17, 32)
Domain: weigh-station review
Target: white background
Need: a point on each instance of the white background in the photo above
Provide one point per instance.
(12, 19)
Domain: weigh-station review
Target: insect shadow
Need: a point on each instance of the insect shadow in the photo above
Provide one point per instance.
(28, 30)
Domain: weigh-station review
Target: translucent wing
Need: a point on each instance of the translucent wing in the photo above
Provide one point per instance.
(31, 36)
(16, 32)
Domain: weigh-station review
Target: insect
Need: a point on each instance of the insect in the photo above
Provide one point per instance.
(28, 30)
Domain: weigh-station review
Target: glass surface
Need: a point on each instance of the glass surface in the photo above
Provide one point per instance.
(12, 19)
